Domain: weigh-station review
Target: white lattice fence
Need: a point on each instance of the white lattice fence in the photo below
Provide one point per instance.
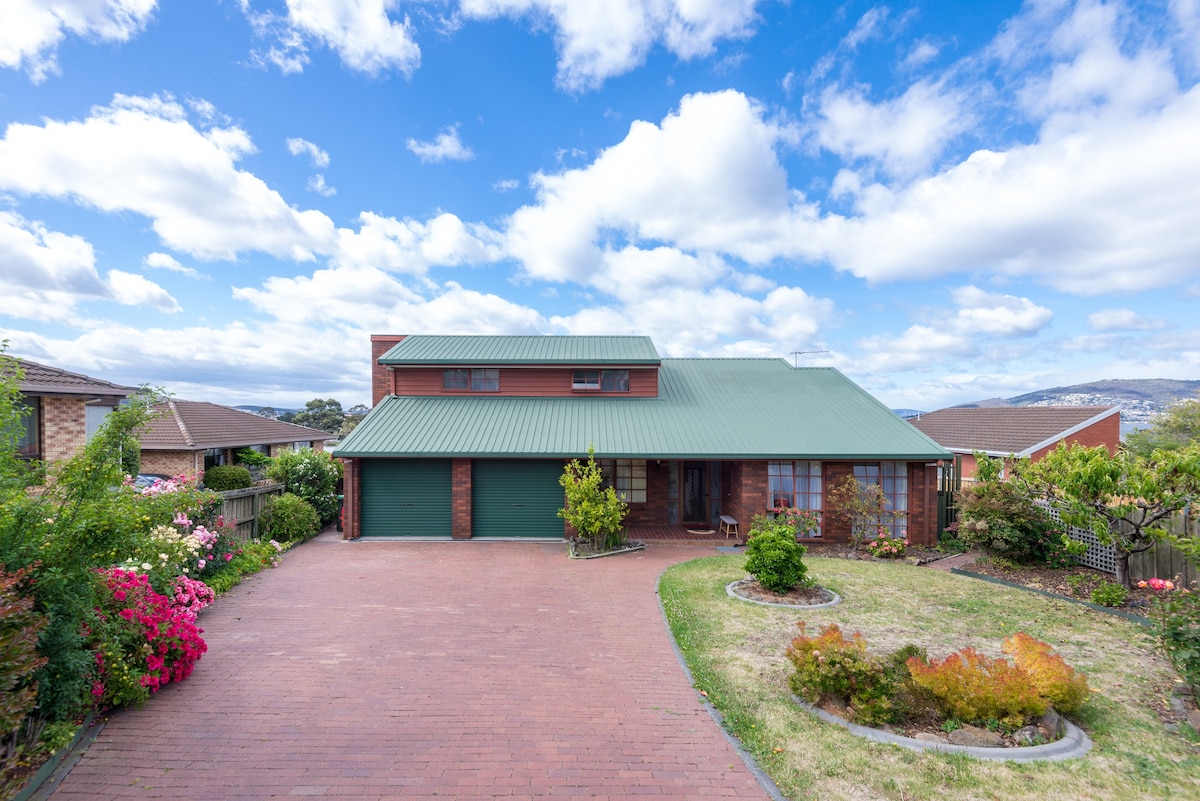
(1100, 557)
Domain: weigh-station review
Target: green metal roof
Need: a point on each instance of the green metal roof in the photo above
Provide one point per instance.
(706, 409)
(485, 350)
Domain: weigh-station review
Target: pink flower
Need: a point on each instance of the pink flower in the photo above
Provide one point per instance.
(126, 613)
(228, 557)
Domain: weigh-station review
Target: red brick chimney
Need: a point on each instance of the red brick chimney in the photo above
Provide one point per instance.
(381, 377)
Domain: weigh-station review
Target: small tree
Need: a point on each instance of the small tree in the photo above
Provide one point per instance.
(773, 556)
(864, 507)
(592, 508)
(1121, 498)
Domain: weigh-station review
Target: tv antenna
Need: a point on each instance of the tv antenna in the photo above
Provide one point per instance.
(797, 353)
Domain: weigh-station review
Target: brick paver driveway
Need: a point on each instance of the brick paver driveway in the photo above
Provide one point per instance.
(441, 671)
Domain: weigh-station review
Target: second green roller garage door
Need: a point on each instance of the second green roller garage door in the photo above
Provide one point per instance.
(516, 498)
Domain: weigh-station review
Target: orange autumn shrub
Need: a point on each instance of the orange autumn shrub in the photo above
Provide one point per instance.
(972, 687)
(1055, 680)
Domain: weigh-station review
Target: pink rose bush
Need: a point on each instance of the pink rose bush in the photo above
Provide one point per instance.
(144, 639)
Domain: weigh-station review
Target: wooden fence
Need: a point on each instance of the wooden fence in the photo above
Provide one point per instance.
(245, 505)
(1162, 560)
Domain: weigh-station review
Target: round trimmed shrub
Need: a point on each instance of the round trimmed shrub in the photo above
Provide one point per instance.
(227, 477)
(289, 517)
(774, 557)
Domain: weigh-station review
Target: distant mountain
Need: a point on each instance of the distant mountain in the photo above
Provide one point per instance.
(907, 413)
(256, 409)
(1140, 399)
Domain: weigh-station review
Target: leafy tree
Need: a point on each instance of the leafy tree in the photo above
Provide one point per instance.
(267, 412)
(1176, 428)
(326, 415)
(1121, 498)
(354, 416)
(592, 508)
(864, 507)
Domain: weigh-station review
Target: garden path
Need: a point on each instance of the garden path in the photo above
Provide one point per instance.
(422, 670)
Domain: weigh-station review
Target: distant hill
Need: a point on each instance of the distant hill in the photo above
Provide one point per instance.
(1140, 399)
(256, 409)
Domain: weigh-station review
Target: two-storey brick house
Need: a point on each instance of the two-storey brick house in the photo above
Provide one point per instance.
(469, 434)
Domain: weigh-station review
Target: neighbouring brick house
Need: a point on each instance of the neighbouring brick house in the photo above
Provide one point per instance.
(186, 437)
(1019, 431)
(469, 434)
(65, 409)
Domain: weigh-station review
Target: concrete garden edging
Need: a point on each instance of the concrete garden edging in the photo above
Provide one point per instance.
(837, 599)
(1072, 745)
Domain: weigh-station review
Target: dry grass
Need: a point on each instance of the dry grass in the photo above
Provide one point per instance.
(736, 653)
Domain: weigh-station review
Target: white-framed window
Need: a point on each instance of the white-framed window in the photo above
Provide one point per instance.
(627, 477)
(892, 478)
(795, 485)
(600, 380)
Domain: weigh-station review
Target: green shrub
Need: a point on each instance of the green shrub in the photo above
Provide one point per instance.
(831, 667)
(251, 457)
(312, 475)
(594, 510)
(773, 556)
(227, 477)
(1175, 624)
(289, 517)
(994, 516)
(1110, 594)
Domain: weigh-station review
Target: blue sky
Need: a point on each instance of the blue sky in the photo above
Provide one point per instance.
(946, 201)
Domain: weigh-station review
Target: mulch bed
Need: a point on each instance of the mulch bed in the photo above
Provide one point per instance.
(1073, 582)
(797, 596)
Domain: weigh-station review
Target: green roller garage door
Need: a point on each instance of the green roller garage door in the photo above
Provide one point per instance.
(516, 498)
(406, 498)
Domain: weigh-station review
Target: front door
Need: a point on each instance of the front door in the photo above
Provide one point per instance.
(695, 484)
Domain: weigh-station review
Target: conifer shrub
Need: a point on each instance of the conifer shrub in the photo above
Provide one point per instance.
(970, 686)
(832, 667)
(1055, 680)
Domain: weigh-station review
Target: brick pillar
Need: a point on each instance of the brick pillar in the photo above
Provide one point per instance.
(351, 490)
(64, 427)
(381, 376)
(460, 482)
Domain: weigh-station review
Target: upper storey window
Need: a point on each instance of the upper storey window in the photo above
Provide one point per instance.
(601, 380)
(477, 379)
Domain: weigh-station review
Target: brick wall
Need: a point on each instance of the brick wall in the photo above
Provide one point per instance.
(460, 499)
(352, 492)
(173, 463)
(381, 376)
(64, 427)
(1106, 432)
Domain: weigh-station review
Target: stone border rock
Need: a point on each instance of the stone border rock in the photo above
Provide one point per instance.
(1072, 745)
(837, 599)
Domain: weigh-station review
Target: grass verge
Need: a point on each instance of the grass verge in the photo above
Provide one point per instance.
(735, 651)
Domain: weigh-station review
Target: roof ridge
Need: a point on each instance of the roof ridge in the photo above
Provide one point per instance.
(183, 429)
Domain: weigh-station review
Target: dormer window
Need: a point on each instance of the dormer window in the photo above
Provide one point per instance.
(477, 379)
(600, 380)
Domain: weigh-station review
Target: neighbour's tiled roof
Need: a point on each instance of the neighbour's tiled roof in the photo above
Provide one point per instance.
(183, 425)
(479, 351)
(40, 379)
(999, 431)
(706, 409)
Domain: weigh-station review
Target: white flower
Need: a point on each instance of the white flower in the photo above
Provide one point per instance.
(146, 566)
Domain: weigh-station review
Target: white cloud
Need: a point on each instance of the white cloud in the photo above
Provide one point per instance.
(869, 26)
(598, 40)
(363, 33)
(47, 274)
(302, 147)
(142, 155)
(506, 185)
(316, 183)
(446, 146)
(706, 179)
(410, 246)
(983, 319)
(904, 135)
(1122, 320)
(32, 30)
(163, 261)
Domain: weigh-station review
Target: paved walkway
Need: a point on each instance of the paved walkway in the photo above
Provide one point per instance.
(379, 670)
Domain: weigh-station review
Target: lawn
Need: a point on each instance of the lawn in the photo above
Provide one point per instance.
(735, 651)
